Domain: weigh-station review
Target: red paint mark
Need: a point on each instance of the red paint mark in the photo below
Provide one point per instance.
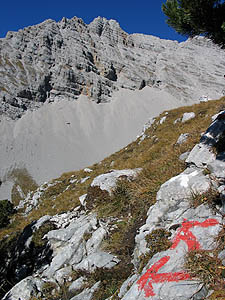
(155, 277)
(184, 234)
(187, 236)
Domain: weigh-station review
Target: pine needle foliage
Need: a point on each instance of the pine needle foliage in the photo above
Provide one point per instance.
(197, 17)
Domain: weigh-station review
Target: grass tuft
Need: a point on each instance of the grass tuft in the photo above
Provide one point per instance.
(211, 198)
(157, 241)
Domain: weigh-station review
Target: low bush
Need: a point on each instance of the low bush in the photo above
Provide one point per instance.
(6, 210)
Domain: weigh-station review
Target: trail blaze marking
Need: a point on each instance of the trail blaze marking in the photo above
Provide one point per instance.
(187, 236)
(184, 234)
(159, 277)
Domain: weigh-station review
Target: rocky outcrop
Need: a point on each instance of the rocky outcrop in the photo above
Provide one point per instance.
(62, 60)
(193, 226)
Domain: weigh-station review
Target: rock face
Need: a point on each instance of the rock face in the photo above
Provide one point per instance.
(52, 61)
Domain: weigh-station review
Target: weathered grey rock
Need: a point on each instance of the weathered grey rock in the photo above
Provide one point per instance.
(98, 259)
(162, 120)
(173, 204)
(182, 138)
(87, 293)
(167, 290)
(175, 256)
(181, 186)
(184, 155)
(177, 120)
(88, 170)
(147, 125)
(32, 199)
(222, 256)
(68, 244)
(108, 181)
(25, 289)
(201, 155)
(127, 284)
(77, 284)
(54, 60)
(63, 275)
(95, 241)
(221, 190)
(188, 116)
(82, 199)
(217, 168)
(215, 131)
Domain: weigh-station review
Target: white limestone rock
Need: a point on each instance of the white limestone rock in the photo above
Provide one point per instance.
(188, 116)
(182, 138)
(24, 289)
(217, 168)
(54, 60)
(200, 156)
(108, 181)
(77, 284)
(98, 259)
(162, 120)
(184, 155)
(87, 293)
(88, 170)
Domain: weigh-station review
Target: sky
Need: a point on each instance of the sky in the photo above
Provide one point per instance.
(135, 16)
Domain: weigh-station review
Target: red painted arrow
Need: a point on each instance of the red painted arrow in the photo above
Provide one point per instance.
(184, 234)
(153, 277)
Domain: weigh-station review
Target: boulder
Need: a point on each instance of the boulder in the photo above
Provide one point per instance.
(188, 116)
(107, 182)
(200, 156)
(182, 138)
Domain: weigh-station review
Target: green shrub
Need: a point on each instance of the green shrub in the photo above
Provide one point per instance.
(6, 210)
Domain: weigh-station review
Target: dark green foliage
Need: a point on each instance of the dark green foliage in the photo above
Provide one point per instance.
(195, 17)
(6, 210)
(38, 235)
(21, 258)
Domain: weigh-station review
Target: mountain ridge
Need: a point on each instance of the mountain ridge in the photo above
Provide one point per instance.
(56, 60)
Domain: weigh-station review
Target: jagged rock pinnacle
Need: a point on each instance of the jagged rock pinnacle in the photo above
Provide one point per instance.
(62, 60)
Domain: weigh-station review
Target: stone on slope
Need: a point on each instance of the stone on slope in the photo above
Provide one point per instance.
(106, 182)
(200, 156)
(188, 116)
(184, 155)
(182, 138)
(87, 293)
(98, 259)
(77, 284)
(24, 289)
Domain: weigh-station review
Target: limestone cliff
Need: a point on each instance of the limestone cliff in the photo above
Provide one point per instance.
(62, 60)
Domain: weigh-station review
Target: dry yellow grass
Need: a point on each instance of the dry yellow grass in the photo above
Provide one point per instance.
(157, 155)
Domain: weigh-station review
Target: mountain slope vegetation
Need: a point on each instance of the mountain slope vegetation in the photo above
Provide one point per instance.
(156, 152)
